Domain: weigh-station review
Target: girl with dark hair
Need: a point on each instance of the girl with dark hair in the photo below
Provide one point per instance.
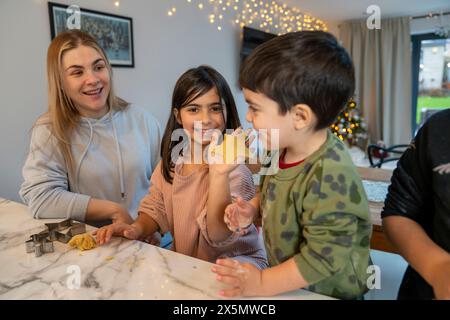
(188, 198)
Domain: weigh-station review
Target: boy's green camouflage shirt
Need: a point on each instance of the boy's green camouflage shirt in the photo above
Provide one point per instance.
(317, 213)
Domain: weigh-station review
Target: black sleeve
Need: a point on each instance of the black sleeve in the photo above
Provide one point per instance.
(409, 194)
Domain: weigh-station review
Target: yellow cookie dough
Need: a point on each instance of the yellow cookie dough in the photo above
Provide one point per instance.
(232, 148)
(83, 241)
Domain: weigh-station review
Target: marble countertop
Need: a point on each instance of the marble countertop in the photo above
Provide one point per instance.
(122, 269)
(376, 190)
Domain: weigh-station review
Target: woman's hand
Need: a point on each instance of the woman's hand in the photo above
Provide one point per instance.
(102, 210)
(121, 215)
(104, 234)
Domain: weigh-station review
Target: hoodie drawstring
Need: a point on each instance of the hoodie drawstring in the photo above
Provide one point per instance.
(119, 155)
(77, 172)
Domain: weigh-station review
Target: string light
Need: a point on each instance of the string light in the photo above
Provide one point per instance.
(350, 126)
(172, 11)
(270, 15)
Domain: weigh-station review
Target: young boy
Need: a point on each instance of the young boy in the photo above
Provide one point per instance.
(316, 224)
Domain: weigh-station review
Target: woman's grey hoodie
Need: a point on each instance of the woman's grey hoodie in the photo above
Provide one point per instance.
(114, 158)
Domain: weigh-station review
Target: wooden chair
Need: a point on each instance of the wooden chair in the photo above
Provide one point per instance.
(393, 154)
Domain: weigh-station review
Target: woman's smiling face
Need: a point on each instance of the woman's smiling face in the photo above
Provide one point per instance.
(86, 80)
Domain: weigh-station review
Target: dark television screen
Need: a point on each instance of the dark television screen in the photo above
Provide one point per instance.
(251, 39)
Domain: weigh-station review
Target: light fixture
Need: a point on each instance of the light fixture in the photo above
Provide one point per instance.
(117, 3)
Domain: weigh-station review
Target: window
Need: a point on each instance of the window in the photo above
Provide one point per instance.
(431, 76)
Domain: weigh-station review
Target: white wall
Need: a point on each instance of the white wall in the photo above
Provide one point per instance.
(424, 25)
(164, 47)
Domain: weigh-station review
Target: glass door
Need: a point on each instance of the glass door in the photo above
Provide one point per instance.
(431, 76)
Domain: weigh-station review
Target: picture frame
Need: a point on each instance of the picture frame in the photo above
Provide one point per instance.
(114, 33)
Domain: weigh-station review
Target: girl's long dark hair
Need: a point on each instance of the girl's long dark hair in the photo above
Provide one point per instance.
(193, 84)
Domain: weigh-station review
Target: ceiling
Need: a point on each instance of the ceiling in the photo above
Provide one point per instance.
(338, 10)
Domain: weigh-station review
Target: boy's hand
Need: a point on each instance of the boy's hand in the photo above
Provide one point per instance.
(239, 216)
(244, 279)
(104, 234)
(441, 281)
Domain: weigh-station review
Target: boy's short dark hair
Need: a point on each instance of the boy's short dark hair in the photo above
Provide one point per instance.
(305, 67)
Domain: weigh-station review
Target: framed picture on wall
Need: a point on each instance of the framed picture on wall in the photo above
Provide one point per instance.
(114, 33)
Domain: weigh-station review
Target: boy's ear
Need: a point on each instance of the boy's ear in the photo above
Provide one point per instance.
(176, 114)
(302, 116)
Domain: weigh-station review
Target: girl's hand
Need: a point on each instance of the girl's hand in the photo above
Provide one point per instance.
(104, 234)
(244, 279)
(221, 163)
(239, 216)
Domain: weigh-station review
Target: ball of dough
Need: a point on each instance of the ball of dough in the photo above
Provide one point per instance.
(83, 241)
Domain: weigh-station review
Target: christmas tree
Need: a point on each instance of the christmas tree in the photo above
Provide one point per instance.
(350, 126)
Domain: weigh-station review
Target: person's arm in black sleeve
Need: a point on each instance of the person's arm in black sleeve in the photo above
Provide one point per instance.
(407, 214)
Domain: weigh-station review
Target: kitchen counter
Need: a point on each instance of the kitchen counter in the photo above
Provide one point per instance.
(121, 269)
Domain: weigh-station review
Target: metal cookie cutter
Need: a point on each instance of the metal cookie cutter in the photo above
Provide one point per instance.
(42, 242)
(39, 244)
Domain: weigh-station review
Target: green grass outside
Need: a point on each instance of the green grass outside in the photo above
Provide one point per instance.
(431, 103)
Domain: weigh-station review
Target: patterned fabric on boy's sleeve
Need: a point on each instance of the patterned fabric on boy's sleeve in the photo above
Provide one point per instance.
(329, 241)
(331, 208)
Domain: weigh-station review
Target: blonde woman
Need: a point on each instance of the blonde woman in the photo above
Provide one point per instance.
(91, 154)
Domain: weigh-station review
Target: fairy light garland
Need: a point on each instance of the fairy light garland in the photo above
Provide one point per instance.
(268, 15)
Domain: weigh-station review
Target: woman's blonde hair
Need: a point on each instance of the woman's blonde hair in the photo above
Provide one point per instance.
(62, 115)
